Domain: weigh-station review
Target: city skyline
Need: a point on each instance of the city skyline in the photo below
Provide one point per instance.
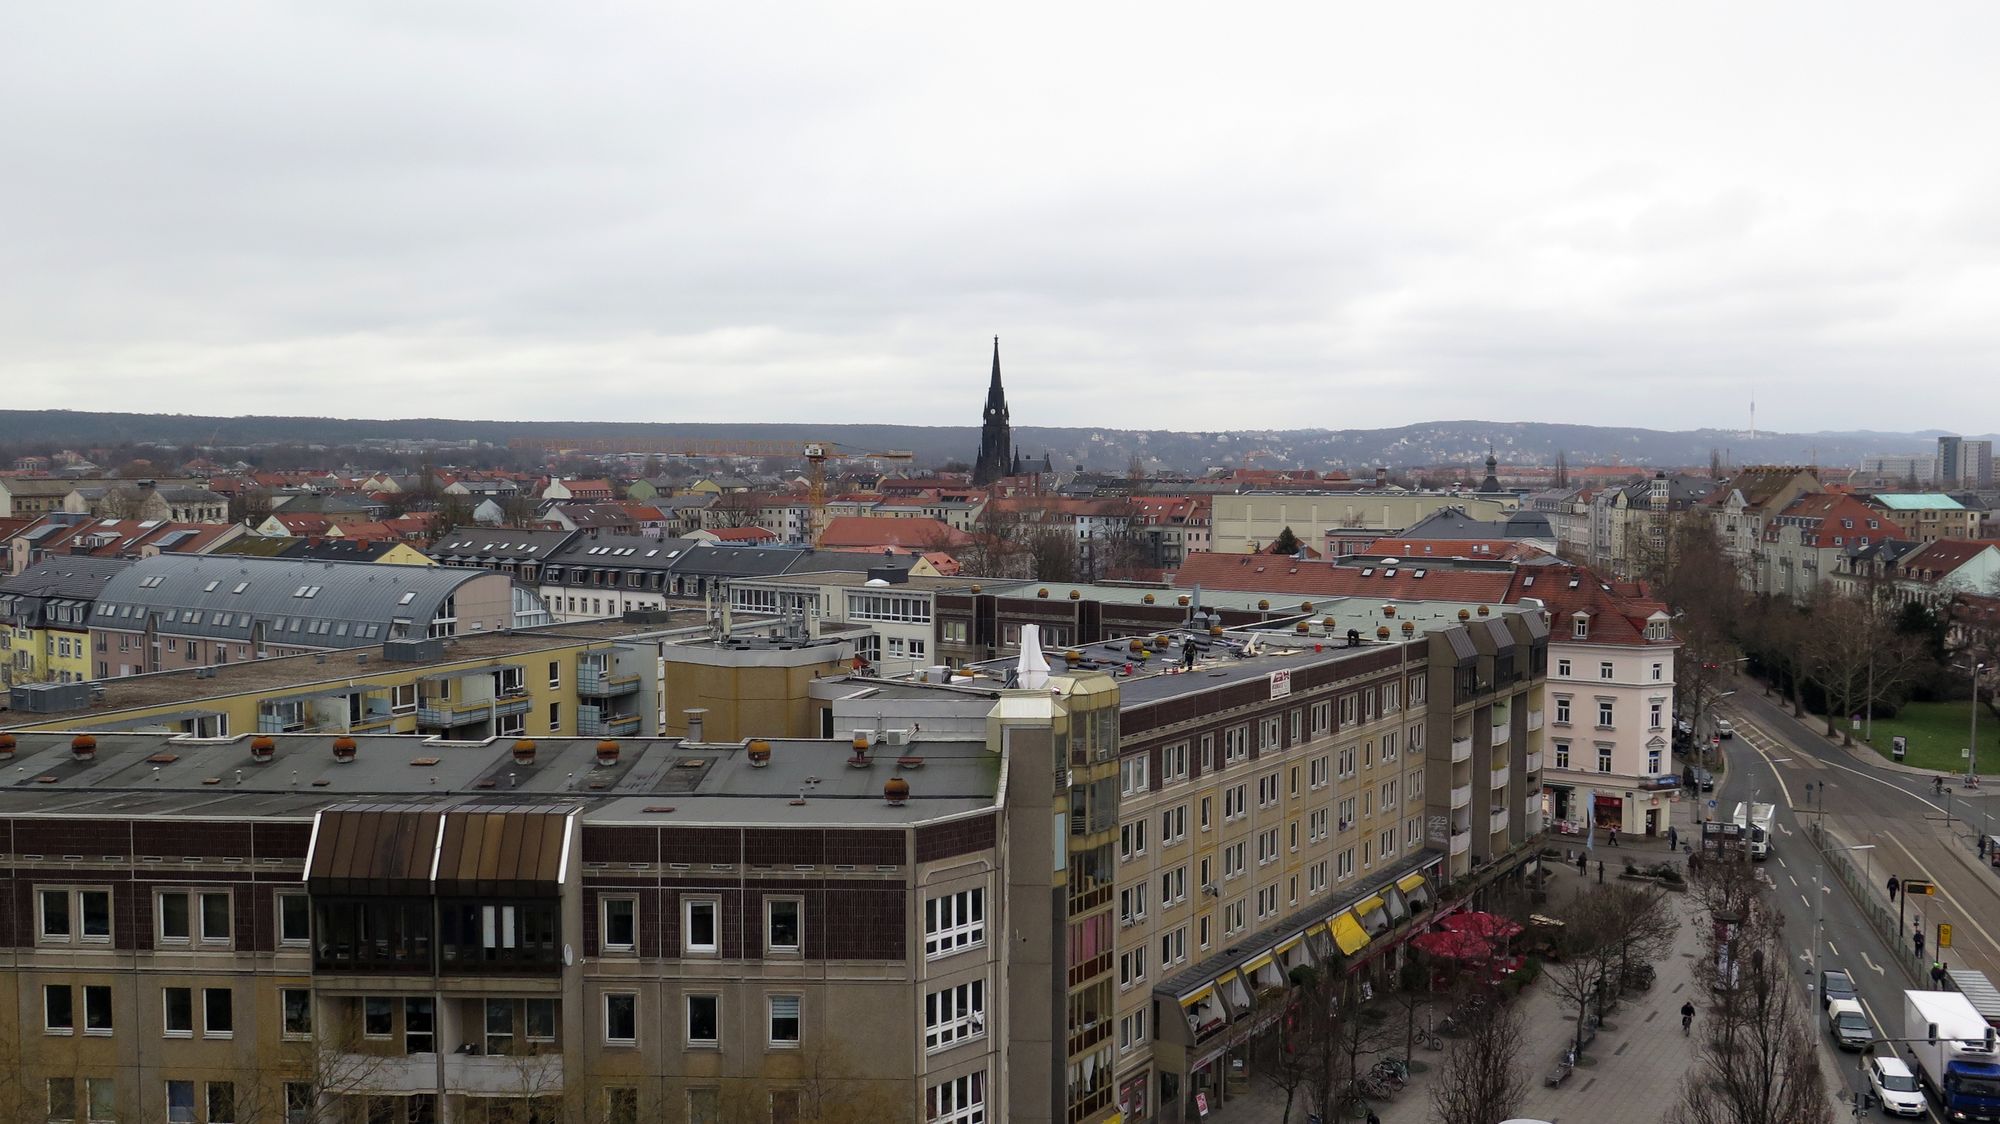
(1581, 216)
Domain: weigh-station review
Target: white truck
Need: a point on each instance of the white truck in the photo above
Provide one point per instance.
(1757, 821)
(1953, 1050)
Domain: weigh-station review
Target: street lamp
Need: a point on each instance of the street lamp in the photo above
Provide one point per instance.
(1819, 897)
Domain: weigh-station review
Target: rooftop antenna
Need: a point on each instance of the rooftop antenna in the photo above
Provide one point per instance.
(1753, 415)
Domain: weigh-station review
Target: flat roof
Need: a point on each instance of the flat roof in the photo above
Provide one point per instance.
(271, 676)
(856, 579)
(655, 781)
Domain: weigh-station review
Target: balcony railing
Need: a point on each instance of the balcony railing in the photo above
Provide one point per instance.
(1497, 821)
(1534, 720)
(1501, 776)
(1461, 797)
(1501, 730)
(1461, 749)
(601, 685)
(616, 726)
(1534, 764)
(1461, 842)
(444, 715)
(474, 1074)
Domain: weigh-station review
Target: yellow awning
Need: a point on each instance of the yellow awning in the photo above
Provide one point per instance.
(1200, 993)
(1409, 882)
(1289, 944)
(1257, 963)
(1348, 934)
(1317, 927)
(1368, 905)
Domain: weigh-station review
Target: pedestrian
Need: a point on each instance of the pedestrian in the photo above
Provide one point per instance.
(1583, 863)
(1600, 872)
(1372, 1118)
(1673, 840)
(1894, 885)
(1917, 939)
(1614, 837)
(1937, 975)
(1982, 846)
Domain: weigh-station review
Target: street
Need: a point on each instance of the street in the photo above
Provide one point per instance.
(1894, 825)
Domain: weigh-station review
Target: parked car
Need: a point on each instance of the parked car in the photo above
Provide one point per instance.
(1683, 726)
(1849, 1025)
(1835, 985)
(1895, 1086)
(1704, 779)
(1723, 729)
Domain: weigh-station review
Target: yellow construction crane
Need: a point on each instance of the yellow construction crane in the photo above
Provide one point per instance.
(814, 453)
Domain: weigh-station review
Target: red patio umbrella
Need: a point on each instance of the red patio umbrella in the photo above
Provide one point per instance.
(1453, 946)
(1492, 926)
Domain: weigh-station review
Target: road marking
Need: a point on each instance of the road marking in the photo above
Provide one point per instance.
(1793, 881)
(1871, 964)
(1832, 950)
(1806, 900)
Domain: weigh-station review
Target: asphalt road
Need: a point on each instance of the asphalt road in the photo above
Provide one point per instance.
(1907, 830)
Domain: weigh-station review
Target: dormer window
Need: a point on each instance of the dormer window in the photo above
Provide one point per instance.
(1580, 626)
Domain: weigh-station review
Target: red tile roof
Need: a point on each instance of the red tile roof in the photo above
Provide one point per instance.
(1617, 611)
(744, 534)
(1936, 560)
(909, 534)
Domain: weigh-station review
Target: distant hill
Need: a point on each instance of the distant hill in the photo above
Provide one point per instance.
(1427, 443)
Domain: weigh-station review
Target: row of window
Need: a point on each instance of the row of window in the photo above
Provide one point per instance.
(218, 1011)
(1135, 772)
(1655, 759)
(1606, 670)
(784, 925)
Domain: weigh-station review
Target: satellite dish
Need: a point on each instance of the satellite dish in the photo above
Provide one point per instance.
(569, 956)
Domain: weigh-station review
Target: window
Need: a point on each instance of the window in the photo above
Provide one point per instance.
(180, 1102)
(218, 1012)
(62, 1098)
(419, 1025)
(1173, 825)
(1604, 714)
(1201, 925)
(300, 1102)
(1603, 758)
(1659, 672)
(215, 917)
(621, 924)
(1316, 826)
(1173, 886)
(1562, 755)
(541, 1020)
(698, 926)
(1562, 710)
(1267, 846)
(784, 1011)
(403, 698)
(296, 1004)
(378, 1016)
(954, 922)
(1207, 806)
(783, 924)
(221, 1102)
(1267, 790)
(1208, 753)
(555, 673)
(1131, 967)
(1267, 734)
(621, 1105)
(294, 919)
(101, 1098)
(1654, 715)
(621, 1019)
(1318, 771)
(1132, 903)
(704, 1020)
(58, 1013)
(1131, 1031)
(1235, 802)
(178, 1005)
(1173, 947)
(961, 1100)
(75, 916)
(1174, 763)
(1131, 839)
(954, 1015)
(97, 1009)
(1132, 776)
(1653, 762)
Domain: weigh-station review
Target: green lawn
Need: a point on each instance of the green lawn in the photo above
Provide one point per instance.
(1937, 733)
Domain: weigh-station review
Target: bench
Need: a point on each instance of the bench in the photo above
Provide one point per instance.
(1560, 1072)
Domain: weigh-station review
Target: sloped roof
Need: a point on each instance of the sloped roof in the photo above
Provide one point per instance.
(1412, 579)
(864, 531)
(1917, 501)
(74, 576)
(1617, 611)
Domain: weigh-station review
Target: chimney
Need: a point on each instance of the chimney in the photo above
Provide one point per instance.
(1033, 667)
(1381, 476)
(695, 723)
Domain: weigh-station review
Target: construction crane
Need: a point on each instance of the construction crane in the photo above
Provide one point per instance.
(814, 453)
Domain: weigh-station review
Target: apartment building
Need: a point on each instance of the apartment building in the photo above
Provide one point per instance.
(1243, 522)
(1965, 463)
(596, 679)
(1927, 516)
(39, 495)
(175, 611)
(1804, 543)
(895, 611)
(64, 533)
(45, 619)
(411, 932)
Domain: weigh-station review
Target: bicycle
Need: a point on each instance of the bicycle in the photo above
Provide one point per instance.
(1428, 1038)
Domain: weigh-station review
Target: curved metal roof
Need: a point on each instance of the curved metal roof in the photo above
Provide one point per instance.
(305, 602)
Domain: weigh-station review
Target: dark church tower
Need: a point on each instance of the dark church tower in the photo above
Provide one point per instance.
(1492, 481)
(996, 437)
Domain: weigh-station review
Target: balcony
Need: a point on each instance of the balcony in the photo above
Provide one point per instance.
(441, 714)
(1532, 807)
(594, 683)
(1461, 750)
(1501, 731)
(1534, 720)
(1534, 764)
(475, 1074)
(616, 726)
(1461, 842)
(1461, 797)
(1496, 822)
(1501, 776)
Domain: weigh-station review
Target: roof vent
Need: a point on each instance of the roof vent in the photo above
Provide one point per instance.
(263, 748)
(83, 747)
(896, 791)
(759, 752)
(607, 753)
(524, 752)
(343, 749)
(6, 747)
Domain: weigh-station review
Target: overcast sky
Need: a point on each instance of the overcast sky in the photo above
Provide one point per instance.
(1324, 214)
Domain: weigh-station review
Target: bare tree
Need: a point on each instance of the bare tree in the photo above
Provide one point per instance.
(1856, 653)
(1758, 1063)
(1639, 926)
(1481, 1080)
(1581, 973)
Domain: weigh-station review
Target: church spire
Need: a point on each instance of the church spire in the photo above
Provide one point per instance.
(996, 436)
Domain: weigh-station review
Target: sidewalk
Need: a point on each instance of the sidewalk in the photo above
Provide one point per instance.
(1633, 1071)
